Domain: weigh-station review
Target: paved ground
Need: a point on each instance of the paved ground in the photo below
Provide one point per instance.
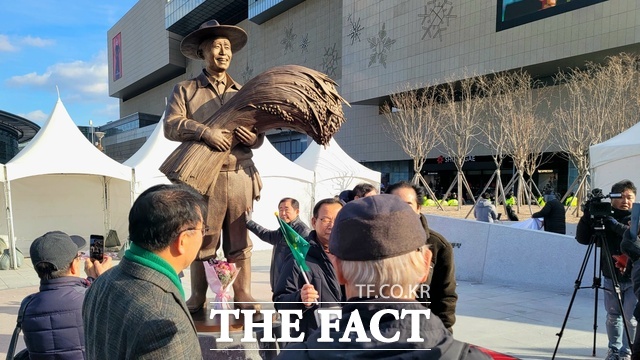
(519, 321)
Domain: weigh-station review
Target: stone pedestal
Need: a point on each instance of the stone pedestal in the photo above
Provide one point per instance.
(209, 332)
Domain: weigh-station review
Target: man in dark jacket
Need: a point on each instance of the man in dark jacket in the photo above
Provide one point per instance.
(52, 322)
(442, 296)
(323, 285)
(379, 254)
(553, 215)
(615, 226)
(288, 211)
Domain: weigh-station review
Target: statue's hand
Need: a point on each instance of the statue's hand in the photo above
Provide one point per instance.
(245, 136)
(217, 139)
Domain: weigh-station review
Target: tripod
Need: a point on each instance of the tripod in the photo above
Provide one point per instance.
(598, 240)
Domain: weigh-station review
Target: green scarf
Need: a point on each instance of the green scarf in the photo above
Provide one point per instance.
(146, 258)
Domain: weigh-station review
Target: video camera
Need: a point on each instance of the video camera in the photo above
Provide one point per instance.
(597, 208)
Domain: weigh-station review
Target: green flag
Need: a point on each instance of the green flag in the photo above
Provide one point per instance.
(298, 245)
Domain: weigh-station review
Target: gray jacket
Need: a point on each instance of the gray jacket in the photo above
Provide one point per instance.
(135, 312)
(485, 211)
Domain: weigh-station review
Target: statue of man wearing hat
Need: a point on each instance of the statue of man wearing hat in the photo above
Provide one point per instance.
(190, 104)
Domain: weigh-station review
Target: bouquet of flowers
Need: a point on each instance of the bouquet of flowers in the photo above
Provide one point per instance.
(220, 276)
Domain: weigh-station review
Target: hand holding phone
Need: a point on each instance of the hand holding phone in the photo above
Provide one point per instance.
(96, 247)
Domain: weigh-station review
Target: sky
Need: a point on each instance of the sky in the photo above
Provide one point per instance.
(63, 43)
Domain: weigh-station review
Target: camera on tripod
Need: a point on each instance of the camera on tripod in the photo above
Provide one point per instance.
(598, 208)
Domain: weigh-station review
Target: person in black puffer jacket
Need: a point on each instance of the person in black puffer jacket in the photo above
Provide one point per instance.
(52, 322)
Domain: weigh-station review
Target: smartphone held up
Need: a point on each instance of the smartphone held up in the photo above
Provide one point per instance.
(96, 247)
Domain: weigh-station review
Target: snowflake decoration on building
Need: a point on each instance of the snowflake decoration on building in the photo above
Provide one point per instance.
(330, 60)
(380, 46)
(436, 16)
(356, 28)
(304, 43)
(247, 73)
(288, 39)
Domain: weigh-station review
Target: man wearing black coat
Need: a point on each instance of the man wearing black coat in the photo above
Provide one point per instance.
(442, 297)
(553, 215)
(615, 227)
(288, 211)
(292, 292)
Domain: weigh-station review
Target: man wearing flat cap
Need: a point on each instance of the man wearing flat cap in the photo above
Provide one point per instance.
(52, 322)
(379, 255)
(190, 104)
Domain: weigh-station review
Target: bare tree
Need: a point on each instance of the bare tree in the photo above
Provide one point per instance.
(596, 103)
(494, 134)
(461, 109)
(526, 134)
(412, 120)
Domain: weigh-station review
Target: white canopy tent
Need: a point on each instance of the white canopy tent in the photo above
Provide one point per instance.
(335, 170)
(60, 181)
(280, 178)
(615, 159)
(145, 163)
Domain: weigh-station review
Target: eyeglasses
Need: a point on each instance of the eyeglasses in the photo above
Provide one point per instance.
(326, 221)
(203, 229)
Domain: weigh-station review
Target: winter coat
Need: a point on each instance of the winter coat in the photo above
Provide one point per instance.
(52, 323)
(321, 275)
(485, 211)
(554, 217)
(135, 312)
(436, 337)
(280, 247)
(442, 278)
(614, 230)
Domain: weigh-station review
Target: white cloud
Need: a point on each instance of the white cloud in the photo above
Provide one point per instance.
(29, 79)
(83, 80)
(38, 117)
(5, 44)
(37, 42)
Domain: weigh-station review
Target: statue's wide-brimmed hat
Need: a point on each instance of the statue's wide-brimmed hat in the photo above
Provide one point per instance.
(212, 29)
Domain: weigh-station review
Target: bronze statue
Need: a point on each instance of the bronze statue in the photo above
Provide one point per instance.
(218, 130)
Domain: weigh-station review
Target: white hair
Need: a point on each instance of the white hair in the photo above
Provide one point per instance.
(405, 271)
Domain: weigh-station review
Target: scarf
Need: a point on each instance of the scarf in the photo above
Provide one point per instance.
(147, 258)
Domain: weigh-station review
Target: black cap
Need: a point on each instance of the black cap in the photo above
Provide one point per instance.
(56, 248)
(375, 228)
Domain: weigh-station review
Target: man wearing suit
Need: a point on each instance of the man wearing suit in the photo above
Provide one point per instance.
(137, 309)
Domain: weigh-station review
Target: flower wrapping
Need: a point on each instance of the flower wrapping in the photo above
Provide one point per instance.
(220, 276)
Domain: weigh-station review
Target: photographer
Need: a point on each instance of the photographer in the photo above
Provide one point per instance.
(614, 228)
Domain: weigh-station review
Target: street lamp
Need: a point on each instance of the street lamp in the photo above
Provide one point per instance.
(99, 135)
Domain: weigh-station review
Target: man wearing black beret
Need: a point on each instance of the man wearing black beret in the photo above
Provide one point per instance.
(378, 250)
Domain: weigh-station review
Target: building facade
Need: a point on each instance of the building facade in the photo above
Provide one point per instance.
(14, 131)
(373, 48)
